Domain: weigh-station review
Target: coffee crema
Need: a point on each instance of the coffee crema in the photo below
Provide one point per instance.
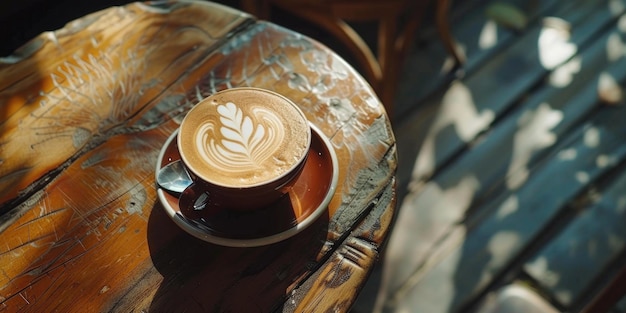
(243, 137)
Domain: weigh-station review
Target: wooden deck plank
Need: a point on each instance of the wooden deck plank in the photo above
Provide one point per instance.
(479, 254)
(478, 38)
(572, 261)
(423, 237)
(510, 149)
(503, 158)
(413, 127)
(424, 75)
(472, 104)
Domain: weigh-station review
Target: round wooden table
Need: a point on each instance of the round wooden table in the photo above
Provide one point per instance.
(84, 112)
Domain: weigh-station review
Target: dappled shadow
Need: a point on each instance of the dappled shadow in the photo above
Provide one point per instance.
(487, 185)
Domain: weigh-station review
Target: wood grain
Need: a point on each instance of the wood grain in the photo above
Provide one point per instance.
(84, 112)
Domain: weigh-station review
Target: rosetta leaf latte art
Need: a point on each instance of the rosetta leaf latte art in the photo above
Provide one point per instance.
(238, 131)
(243, 142)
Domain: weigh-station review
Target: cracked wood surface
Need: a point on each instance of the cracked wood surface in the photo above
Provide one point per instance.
(84, 111)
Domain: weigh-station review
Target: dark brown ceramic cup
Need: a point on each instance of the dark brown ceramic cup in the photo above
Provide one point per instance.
(245, 147)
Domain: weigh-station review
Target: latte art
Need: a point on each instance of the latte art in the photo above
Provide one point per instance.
(243, 137)
(243, 142)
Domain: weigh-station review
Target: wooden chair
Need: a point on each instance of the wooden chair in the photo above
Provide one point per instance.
(382, 68)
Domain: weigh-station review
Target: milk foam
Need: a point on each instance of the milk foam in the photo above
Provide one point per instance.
(240, 143)
(245, 138)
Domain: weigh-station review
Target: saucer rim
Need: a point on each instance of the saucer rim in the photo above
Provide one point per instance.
(197, 232)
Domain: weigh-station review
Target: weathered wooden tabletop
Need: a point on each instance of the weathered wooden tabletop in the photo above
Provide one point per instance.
(84, 112)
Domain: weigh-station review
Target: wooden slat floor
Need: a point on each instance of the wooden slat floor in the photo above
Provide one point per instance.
(512, 172)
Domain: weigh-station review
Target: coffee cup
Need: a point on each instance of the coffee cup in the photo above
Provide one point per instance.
(244, 147)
